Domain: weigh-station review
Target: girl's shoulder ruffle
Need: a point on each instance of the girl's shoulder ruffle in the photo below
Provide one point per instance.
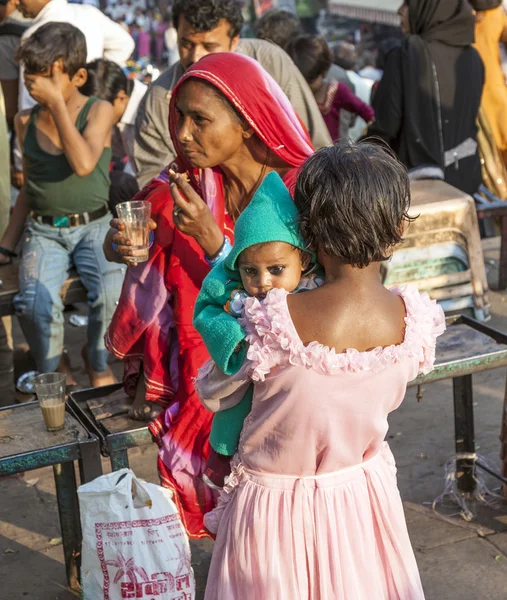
(273, 339)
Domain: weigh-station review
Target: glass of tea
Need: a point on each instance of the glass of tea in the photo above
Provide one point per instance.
(50, 390)
(136, 218)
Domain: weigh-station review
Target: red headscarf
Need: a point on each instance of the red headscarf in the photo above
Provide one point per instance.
(155, 310)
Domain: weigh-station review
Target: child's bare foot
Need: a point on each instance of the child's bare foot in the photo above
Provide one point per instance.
(97, 379)
(141, 410)
(65, 368)
(146, 412)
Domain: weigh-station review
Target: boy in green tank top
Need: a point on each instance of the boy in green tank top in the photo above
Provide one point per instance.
(62, 208)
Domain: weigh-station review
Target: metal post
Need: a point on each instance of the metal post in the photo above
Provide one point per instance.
(119, 459)
(90, 464)
(464, 433)
(68, 509)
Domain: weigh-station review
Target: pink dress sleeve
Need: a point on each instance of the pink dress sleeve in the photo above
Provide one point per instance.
(425, 322)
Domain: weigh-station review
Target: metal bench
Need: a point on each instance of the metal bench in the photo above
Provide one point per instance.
(25, 444)
(467, 347)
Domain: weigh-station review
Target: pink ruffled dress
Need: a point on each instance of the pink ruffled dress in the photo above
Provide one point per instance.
(312, 509)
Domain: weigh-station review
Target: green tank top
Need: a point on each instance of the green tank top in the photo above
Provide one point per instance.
(53, 189)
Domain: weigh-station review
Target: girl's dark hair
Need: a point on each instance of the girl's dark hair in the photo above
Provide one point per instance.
(52, 42)
(311, 55)
(353, 201)
(106, 80)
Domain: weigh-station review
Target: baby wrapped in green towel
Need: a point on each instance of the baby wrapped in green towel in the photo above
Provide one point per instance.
(268, 253)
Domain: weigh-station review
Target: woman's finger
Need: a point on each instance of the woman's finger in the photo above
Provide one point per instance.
(180, 204)
(152, 224)
(121, 240)
(187, 190)
(117, 224)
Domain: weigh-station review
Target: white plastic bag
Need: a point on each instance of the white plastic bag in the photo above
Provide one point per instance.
(134, 544)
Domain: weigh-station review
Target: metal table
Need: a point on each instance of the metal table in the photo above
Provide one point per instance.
(25, 444)
(116, 434)
(467, 347)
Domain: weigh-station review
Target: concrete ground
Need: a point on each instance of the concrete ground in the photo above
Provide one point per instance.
(458, 560)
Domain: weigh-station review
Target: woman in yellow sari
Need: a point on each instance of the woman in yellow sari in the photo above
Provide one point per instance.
(490, 32)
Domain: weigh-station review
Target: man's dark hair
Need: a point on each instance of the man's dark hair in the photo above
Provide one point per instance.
(205, 15)
(311, 55)
(52, 42)
(277, 26)
(353, 201)
(106, 80)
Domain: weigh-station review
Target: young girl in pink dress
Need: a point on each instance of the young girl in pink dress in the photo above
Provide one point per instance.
(312, 509)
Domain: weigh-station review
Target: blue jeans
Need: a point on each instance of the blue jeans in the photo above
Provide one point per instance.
(48, 255)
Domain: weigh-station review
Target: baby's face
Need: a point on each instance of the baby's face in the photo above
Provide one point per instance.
(270, 265)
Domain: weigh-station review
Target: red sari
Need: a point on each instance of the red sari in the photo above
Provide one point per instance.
(153, 320)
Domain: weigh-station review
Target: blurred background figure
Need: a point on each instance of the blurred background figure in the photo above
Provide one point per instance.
(490, 33)
(345, 56)
(12, 27)
(7, 389)
(312, 56)
(171, 43)
(278, 26)
(428, 99)
(107, 81)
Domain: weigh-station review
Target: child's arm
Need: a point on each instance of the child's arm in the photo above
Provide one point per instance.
(82, 150)
(219, 392)
(220, 331)
(18, 216)
(353, 104)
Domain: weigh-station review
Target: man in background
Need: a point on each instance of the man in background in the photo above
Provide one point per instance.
(205, 27)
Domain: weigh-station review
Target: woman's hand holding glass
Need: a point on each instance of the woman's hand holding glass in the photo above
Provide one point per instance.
(122, 244)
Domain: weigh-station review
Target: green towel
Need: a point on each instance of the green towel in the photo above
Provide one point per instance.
(271, 216)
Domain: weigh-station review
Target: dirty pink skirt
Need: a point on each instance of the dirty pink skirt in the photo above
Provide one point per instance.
(339, 536)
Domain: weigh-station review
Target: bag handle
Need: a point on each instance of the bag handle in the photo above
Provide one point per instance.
(138, 495)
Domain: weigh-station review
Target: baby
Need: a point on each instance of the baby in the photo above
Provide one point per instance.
(268, 253)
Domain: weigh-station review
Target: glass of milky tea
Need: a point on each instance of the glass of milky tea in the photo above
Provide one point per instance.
(136, 217)
(50, 390)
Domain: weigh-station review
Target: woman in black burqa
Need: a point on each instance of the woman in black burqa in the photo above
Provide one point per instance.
(427, 102)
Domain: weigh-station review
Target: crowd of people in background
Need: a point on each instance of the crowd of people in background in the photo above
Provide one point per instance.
(151, 28)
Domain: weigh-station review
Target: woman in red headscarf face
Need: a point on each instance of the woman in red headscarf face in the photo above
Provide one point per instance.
(231, 125)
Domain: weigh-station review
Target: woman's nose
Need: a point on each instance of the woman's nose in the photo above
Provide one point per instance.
(184, 131)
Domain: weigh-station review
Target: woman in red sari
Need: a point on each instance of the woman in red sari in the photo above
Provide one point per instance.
(231, 125)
